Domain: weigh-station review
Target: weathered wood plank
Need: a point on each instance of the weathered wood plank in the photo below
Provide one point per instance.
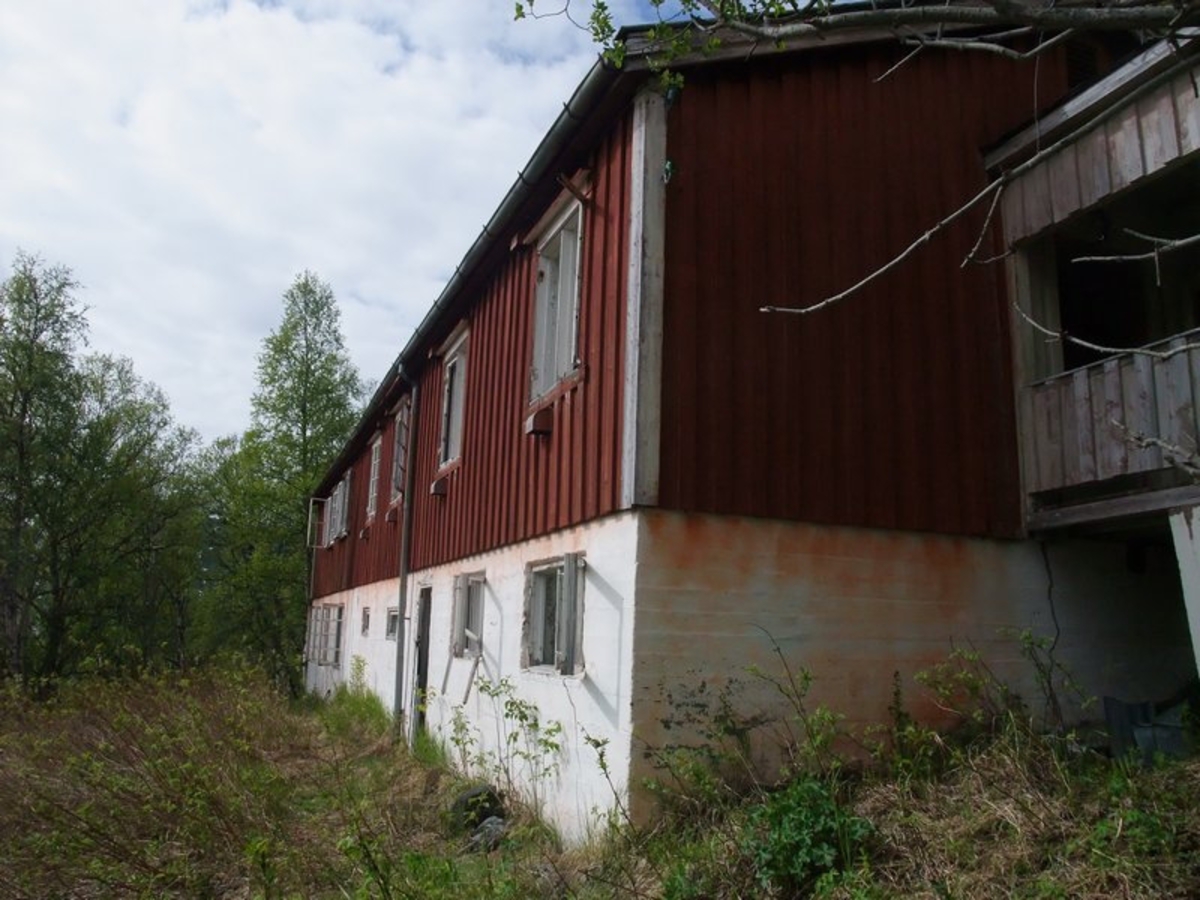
(1141, 415)
(1124, 148)
(1160, 142)
(1114, 432)
(1118, 507)
(1082, 411)
(1047, 437)
(1091, 157)
(1064, 183)
(1064, 388)
(1012, 211)
(1035, 190)
(1187, 110)
(1178, 398)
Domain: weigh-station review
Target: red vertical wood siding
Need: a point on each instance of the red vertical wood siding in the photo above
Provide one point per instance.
(369, 551)
(509, 486)
(795, 177)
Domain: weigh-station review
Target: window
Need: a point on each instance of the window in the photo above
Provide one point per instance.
(454, 383)
(468, 615)
(366, 621)
(393, 623)
(556, 304)
(326, 633)
(336, 510)
(554, 615)
(373, 481)
(400, 448)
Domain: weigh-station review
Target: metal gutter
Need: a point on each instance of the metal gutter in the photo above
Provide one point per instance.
(400, 730)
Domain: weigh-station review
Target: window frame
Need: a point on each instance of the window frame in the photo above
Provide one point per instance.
(392, 628)
(327, 631)
(567, 652)
(373, 478)
(549, 342)
(365, 627)
(337, 509)
(468, 593)
(402, 425)
(454, 400)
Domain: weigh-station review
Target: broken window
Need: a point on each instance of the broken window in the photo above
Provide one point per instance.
(554, 614)
(326, 635)
(468, 614)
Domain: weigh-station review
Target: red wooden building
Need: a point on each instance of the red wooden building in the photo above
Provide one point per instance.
(599, 471)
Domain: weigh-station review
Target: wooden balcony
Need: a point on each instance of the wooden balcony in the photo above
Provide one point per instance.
(1080, 433)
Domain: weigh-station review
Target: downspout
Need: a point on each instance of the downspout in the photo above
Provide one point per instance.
(410, 480)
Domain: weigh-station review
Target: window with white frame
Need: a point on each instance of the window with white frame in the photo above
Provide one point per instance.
(468, 614)
(366, 621)
(400, 447)
(554, 615)
(337, 511)
(325, 648)
(454, 383)
(373, 480)
(556, 302)
(393, 623)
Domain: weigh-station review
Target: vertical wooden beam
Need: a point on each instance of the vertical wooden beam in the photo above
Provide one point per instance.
(1185, 531)
(641, 434)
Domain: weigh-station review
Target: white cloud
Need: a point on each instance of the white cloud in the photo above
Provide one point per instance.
(187, 159)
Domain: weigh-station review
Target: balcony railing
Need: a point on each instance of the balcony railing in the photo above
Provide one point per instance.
(1090, 424)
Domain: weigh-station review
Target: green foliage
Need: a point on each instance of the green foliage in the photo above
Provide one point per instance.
(258, 487)
(354, 712)
(526, 750)
(99, 509)
(803, 832)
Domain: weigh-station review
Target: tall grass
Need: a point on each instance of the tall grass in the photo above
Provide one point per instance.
(213, 785)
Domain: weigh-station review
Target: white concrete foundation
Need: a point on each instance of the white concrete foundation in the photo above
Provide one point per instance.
(572, 790)
(678, 607)
(375, 649)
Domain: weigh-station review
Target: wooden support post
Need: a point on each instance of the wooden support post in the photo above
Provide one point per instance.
(1185, 529)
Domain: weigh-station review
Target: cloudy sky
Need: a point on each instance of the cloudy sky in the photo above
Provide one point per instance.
(186, 158)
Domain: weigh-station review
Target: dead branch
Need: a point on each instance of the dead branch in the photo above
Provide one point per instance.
(1058, 334)
(996, 184)
(1162, 247)
(1157, 17)
(1187, 461)
(991, 43)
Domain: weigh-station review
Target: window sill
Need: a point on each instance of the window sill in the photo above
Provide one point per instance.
(567, 384)
(548, 673)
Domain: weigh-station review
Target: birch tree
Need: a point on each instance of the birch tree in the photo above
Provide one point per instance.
(306, 403)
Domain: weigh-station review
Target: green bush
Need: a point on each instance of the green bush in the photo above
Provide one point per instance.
(802, 832)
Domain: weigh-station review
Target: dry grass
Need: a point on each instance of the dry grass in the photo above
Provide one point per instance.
(215, 786)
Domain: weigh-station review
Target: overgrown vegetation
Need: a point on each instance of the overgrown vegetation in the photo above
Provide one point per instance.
(214, 784)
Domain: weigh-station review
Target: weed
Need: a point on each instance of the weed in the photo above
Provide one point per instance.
(802, 833)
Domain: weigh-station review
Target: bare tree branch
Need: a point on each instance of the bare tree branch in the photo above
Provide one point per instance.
(1058, 334)
(1181, 458)
(995, 184)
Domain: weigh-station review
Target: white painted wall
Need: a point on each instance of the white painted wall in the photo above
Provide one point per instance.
(594, 703)
(376, 650)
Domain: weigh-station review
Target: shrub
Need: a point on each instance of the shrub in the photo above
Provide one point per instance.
(802, 832)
